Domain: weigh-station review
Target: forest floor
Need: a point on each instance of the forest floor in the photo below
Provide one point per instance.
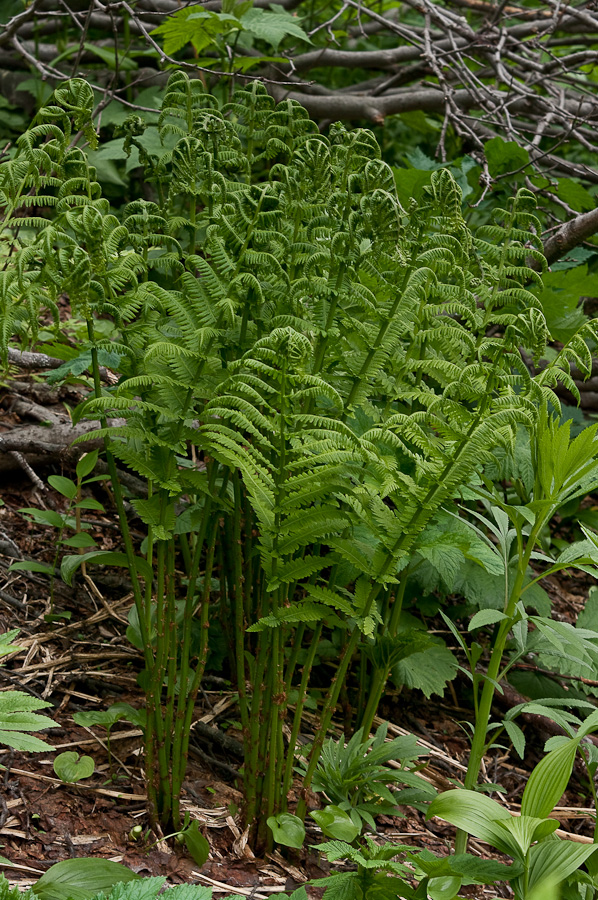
(75, 656)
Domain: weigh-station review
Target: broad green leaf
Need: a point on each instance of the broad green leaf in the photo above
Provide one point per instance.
(561, 300)
(486, 617)
(474, 813)
(64, 486)
(45, 516)
(71, 768)
(137, 717)
(70, 564)
(428, 672)
(81, 539)
(105, 717)
(87, 463)
(443, 888)
(80, 879)
(522, 831)
(557, 859)
(196, 843)
(287, 830)
(504, 156)
(335, 823)
(549, 780)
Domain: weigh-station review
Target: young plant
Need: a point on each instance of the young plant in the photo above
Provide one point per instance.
(378, 874)
(67, 521)
(107, 718)
(564, 469)
(355, 778)
(541, 858)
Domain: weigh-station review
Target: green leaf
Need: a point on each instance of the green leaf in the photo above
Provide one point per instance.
(516, 736)
(194, 25)
(557, 859)
(287, 830)
(125, 63)
(24, 743)
(486, 617)
(561, 297)
(335, 823)
(64, 486)
(428, 672)
(17, 717)
(443, 888)
(521, 832)
(137, 717)
(81, 539)
(69, 767)
(80, 879)
(106, 717)
(196, 843)
(273, 25)
(474, 813)
(87, 463)
(45, 516)
(549, 780)
(70, 564)
(504, 156)
(573, 193)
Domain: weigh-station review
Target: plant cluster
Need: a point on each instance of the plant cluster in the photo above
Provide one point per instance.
(313, 380)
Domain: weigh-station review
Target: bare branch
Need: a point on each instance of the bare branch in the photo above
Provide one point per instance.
(570, 235)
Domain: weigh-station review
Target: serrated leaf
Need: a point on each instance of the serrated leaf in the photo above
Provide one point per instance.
(273, 25)
(486, 617)
(24, 743)
(428, 672)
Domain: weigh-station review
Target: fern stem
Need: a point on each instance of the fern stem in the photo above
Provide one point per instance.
(301, 698)
(188, 688)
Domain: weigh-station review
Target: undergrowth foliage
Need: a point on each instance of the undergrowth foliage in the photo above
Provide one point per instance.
(308, 372)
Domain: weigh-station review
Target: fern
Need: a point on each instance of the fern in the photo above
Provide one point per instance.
(310, 368)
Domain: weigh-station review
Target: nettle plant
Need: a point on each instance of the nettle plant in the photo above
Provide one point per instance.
(308, 372)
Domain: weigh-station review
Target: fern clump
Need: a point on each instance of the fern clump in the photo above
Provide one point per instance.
(308, 369)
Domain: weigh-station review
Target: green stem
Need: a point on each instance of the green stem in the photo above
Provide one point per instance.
(478, 744)
(302, 694)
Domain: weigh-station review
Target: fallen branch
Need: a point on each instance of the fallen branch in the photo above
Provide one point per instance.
(27, 360)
